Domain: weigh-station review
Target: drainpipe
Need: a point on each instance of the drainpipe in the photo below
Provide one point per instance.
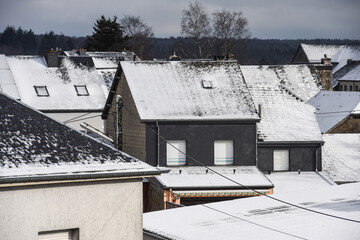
(158, 143)
(118, 106)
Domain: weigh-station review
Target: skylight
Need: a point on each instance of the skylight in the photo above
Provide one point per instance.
(81, 90)
(206, 84)
(41, 91)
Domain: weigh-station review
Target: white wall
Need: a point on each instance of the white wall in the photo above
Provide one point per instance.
(94, 119)
(100, 211)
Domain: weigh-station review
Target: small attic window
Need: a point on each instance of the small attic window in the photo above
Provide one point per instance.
(206, 84)
(41, 91)
(81, 90)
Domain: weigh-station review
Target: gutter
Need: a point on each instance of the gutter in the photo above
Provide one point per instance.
(50, 179)
(156, 236)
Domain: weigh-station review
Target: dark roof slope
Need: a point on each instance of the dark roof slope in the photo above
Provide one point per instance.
(34, 144)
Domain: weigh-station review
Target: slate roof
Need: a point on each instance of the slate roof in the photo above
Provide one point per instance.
(189, 90)
(264, 218)
(193, 177)
(7, 82)
(341, 157)
(350, 72)
(36, 147)
(30, 71)
(280, 90)
(333, 107)
(315, 52)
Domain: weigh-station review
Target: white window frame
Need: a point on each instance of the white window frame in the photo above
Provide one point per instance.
(41, 91)
(281, 159)
(223, 152)
(174, 157)
(69, 234)
(81, 90)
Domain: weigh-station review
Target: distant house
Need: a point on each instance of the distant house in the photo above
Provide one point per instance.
(57, 183)
(289, 138)
(341, 157)
(337, 112)
(264, 218)
(183, 115)
(347, 78)
(313, 53)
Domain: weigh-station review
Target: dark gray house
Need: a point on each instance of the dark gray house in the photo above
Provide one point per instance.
(289, 137)
(184, 115)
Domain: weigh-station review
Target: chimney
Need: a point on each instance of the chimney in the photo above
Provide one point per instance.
(82, 52)
(53, 58)
(325, 72)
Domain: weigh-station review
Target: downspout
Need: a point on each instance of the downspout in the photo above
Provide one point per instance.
(158, 143)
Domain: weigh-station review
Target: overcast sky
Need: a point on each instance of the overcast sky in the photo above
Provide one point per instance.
(280, 19)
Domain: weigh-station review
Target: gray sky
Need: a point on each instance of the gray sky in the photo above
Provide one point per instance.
(283, 19)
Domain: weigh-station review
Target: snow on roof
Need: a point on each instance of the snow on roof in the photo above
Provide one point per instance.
(126, 56)
(333, 106)
(350, 52)
(285, 182)
(341, 157)
(210, 221)
(315, 52)
(34, 145)
(352, 75)
(193, 177)
(105, 62)
(283, 116)
(30, 71)
(175, 91)
(7, 82)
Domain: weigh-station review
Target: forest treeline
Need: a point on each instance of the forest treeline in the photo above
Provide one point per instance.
(252, 51)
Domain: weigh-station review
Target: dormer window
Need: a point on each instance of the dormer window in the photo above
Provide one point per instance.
(206, 84)
(41, 91)
(81, 90)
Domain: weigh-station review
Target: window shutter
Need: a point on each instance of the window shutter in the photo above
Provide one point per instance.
(173, 156)
(223, 152)
(281, 160)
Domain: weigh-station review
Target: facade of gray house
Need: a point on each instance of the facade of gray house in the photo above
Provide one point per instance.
(57, 183)
(201, 108)
(289, 138)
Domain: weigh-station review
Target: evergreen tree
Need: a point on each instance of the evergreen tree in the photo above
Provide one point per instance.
(107, 35)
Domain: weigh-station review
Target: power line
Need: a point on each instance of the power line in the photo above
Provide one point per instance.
(249, 188)
(77, 117)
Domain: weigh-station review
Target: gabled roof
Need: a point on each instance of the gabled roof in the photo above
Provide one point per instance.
(30, 71)
(280, 90)
(34, 147)
(341, 157)
(333, 107)
(263, 218)
(351, 72)
(349, 52)
(315, 52)
(189, 90)
(7, 82)
(198, 178)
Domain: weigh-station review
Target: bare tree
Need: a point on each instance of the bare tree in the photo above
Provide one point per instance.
(195, 24)
(229, 29)
(139, 34)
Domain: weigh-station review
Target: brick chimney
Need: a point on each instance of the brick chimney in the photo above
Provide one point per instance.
(52, 58)
(325, 72)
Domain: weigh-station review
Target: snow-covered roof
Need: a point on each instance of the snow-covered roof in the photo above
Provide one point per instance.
(341, 157)
(284, 117)
(333, 107)
(315, 52)
(286, 182)
(7, 82)
(194, 177)
(32, 71)
(189, 90)
(349, 52)
(35, 146)
(352, 75)
(349, 71)
(264, 218)
(106, 62)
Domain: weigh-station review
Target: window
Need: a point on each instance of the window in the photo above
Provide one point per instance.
(223, 152)
(173, 156)
(350, 88)
(281, 160)
(345, 88)
(81, 90)
(356, 88)
(340, 87)
(41, 91)
(206, 84)
(72, 234)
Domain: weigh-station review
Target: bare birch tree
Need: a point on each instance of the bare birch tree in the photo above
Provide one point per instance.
(195, 25)
(139, 34)
(229, 28)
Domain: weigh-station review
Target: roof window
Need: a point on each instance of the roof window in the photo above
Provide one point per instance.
(81, 90)
(206, 84)
(41, 91)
